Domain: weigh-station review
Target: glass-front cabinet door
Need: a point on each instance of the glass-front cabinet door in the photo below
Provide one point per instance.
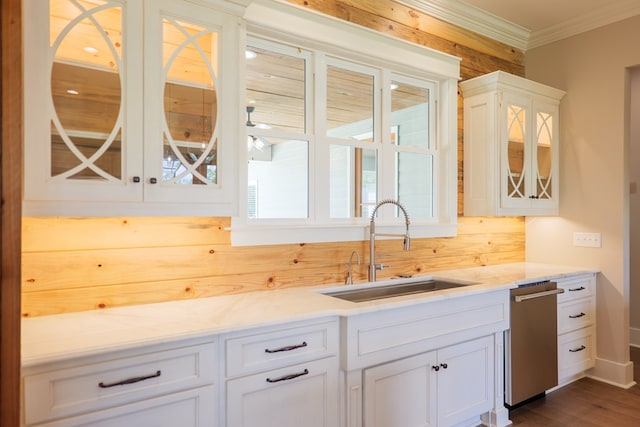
(80, 114)
(528, 153)
(189, 114)
(123, 103)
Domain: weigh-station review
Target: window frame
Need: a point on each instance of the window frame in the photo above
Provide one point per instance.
(328, 39)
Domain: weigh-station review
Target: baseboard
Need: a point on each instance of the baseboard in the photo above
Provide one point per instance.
(614, 373)
(634, 337)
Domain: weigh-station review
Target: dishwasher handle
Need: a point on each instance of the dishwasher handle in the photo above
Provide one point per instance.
(521, 298)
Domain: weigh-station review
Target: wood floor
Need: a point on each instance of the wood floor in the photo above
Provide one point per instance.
(585, 403)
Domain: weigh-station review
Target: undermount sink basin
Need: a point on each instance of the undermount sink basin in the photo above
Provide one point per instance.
(394, 290)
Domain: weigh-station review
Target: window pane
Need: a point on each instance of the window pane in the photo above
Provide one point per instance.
(415, 183)
(275, 90)
(353, 181)
(278, 173)
(349, 104)
(409, 115)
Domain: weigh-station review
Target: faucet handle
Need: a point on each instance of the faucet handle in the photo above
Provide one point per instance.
(381, 266)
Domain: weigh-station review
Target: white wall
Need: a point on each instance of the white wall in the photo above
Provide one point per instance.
(593, 69)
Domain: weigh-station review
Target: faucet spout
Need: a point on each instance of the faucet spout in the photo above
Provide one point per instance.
(373, 267)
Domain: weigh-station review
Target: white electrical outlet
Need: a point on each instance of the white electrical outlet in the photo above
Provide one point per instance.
(588, 240)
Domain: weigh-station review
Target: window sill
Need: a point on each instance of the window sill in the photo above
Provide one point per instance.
(275, 234)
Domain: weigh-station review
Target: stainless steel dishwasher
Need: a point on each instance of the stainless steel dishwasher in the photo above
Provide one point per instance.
(531, 344)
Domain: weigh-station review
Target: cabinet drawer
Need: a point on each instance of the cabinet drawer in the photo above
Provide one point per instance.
(577, 287)
(191, 408)
(117, 381)
(304, 394)
(574, 315)
(270, 348)
(576, 352)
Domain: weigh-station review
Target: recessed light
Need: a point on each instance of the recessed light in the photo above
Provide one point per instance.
(90, 49)
(249, 54)
(394, 86)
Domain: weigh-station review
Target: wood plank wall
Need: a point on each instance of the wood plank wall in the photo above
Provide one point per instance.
(76, 264)
(11, 195)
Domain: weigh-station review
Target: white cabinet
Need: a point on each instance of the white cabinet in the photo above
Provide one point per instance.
(576, 327)
(444, 387)
(436, 363)
(511, 136)
(149, 387)
(131, 107)
(283, 376)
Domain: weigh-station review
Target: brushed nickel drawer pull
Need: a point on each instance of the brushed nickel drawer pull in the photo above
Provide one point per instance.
(286, 348)
(575, 350)
(581, 288)
(130, 380)
(288, 377)
(575, 316)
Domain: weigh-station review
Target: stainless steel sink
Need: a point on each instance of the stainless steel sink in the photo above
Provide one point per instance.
(394, 290)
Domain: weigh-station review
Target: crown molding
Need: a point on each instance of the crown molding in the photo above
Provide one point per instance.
(608, 14)
(474, 19)
(486, 24)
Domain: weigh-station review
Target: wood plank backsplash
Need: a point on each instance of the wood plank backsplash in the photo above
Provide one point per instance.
(77, 264)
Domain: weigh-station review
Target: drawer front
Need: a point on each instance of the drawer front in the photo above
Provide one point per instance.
(574, 315)
(577, 288)
(378, 337)
(576, 352)
(270, 348)
(304, 394)
(191, 408)
(72, 391)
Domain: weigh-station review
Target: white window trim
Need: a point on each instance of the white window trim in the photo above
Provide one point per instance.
(287, 23)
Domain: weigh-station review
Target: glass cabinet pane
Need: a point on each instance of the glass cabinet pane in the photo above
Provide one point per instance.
(86, 89)
(516, 130)
(349, 104)
(544, 136)
(190, 132)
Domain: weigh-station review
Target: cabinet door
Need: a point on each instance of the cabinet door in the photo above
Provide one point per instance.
(529, 166)
(305, 394)
(465, 381)
(401, 393)
(191, 117)
(515, 151)
(83, 92)
(544, 157)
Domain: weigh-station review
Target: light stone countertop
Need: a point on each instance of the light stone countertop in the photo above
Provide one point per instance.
(61, 337)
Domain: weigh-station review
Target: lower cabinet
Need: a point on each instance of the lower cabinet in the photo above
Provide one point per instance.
(283, 376)
(304, 394)
(161, 386)
(192, 408)
(576, 327)
(444, 387)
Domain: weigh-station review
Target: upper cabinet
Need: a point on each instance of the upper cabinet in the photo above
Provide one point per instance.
(131, 107)
(511, 136)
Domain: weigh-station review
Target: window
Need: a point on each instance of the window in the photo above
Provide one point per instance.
(332, 131)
